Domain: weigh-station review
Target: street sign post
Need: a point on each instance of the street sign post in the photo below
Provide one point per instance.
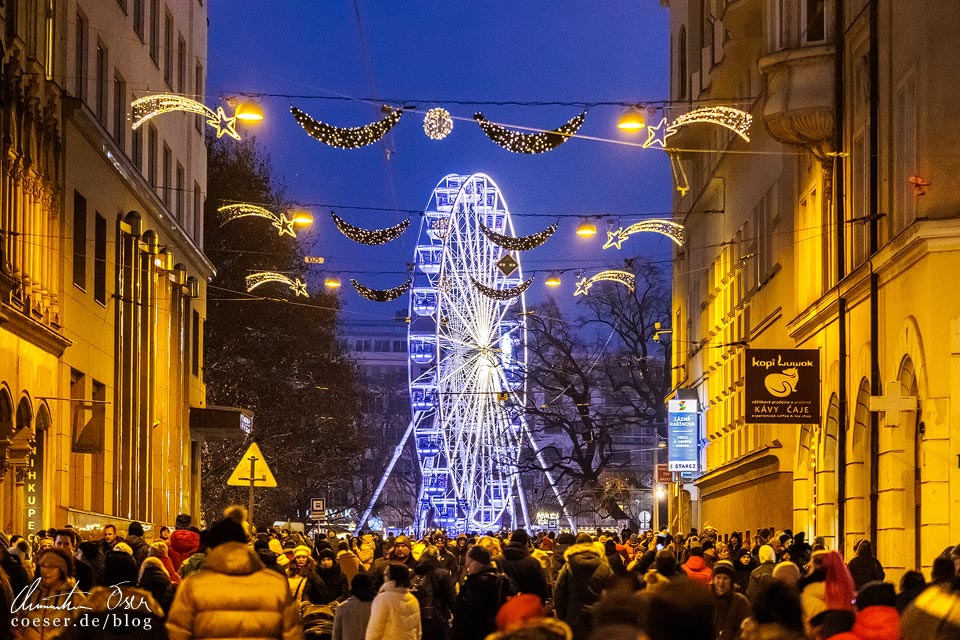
(252, 471)
(318, 509)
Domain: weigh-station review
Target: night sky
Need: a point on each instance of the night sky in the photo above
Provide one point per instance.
(432, 54)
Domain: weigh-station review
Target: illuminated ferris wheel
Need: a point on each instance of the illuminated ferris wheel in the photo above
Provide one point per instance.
(467, 357)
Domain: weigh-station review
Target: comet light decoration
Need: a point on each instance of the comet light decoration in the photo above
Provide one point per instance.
(282, 222)
(148, 107)
(679, 175)
(343, 137)
(381, 295)
(623, 277)
(529, 142)
(734, 119)
(502, 294)
(523, 243)
(298, 286)
(437, 123)
(368, 236)
(670, 229)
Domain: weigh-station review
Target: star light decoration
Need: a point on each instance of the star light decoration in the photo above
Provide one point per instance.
(381, 295)
(148, 107)
(437, 123)
(282, 222)
(502, 294)
(524, 243)
(623, 277)
(529, 142)
(368, 236)
(344, 137)
(734, 119)
(298, 286)
(668, 228)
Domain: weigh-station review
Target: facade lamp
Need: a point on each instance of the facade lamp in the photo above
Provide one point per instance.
(553, 280)
(331, 282)
(586, 229)
(632, 120)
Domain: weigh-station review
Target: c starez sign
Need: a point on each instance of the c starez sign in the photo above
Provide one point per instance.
(783, 386)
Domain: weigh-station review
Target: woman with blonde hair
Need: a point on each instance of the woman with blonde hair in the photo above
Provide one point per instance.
(492, 545)
(46, 608)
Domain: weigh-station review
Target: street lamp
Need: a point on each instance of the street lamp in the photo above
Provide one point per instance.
(632, 120)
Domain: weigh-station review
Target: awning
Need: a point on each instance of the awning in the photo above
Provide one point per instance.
(220, 423)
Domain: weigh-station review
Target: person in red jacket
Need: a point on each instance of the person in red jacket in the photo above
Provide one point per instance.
(183, 542)
(696, 568)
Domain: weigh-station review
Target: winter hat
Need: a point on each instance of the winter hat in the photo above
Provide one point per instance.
(520, 538)
(301, 551)
(226, 530)
(57, 557)
(584, 538)
(566, 538)
(766, 554)
(402, 539)
(275, 546)
(518, 610)
(135, 529)
(786, 571)
(876, 593)
(323, 553)
(724, 567)
(288, 545)
(124, 547)
(183, 521)
(479, 554)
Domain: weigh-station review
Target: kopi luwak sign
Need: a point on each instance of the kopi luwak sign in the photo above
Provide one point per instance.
(782, 386)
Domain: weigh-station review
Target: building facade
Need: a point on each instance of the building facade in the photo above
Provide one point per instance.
(103, 275)
(838, 232)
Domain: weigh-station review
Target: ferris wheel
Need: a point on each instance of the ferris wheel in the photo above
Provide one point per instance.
(467, 356)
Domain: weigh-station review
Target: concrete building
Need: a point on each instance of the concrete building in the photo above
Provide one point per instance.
(103, 275)
(838, 232)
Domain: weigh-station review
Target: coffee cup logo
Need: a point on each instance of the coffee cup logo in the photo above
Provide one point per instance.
(782, 384)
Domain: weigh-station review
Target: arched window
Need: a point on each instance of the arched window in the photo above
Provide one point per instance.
(6, 414)
(24, 414)
(682, 63)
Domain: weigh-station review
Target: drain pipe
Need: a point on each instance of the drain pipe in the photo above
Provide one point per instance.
(874, 213)
(839, 204)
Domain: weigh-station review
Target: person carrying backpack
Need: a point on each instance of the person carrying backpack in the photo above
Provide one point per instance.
(436, 591)
(485, 589)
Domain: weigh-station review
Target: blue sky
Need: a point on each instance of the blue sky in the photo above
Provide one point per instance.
(432, 53)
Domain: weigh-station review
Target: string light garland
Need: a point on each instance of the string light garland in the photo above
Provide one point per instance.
(658, 134)
(344, 137)
(298, 286)
(148, 107)
(524, 243)
(502, 294)
(381, 295)
(282, 222)
(734, 119)
(367, 236)
(531, 143)
(437, 123)
(613, 275)
(670, 229)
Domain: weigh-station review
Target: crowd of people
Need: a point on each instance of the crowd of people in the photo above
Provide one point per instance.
(227, 581)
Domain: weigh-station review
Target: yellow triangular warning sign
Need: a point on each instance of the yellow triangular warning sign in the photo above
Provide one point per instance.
(262, 476)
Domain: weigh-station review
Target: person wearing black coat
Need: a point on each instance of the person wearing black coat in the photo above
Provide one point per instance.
(743, 565)
(864, 567)
(525, 570)
(475, 610)
(436, 591)
(327, 583)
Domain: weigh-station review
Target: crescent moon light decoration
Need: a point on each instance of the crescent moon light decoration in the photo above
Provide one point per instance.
(670, 229)
(298, 286)
(367, 236)
(529, 142)
(282, 222)
(343, 137)
(518, 244)
(623, 277)
(381, 295)
(502, 294)
(143, 109)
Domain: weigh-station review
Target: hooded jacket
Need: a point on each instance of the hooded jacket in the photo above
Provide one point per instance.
(181, 545)
(581, 580)
(233, 595)
(877, 623)
(525, 570)
(864, 567)
(696, 569)
(395, 614)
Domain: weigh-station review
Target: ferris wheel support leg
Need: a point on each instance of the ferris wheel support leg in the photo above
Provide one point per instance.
(553, 484)
(386, 475)
(523, 505)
